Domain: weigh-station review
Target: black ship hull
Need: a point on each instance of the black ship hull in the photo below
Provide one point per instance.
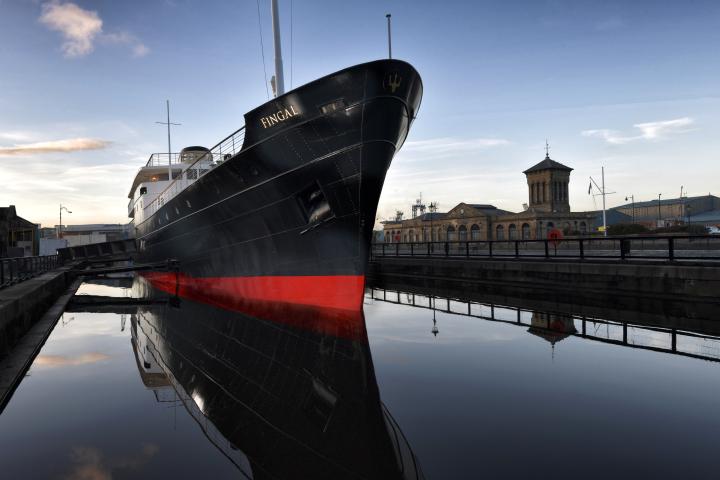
(278, 401)
(289, 219)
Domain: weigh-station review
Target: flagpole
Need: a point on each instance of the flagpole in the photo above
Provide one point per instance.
(603, 195)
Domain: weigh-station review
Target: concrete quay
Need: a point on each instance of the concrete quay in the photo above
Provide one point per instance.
(24, 303)
(662, 280)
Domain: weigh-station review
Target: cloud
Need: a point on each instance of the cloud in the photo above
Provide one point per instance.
(78, 26)
(125, 38)
(81, 28)
(51, 361)
(54, 146)
(444, 147)
(91, 463)
(648, 131)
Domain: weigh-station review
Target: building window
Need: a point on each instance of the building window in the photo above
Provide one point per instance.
(451, 234)
(462, 233)
(500, 233)
(475, 232)
(583, 228)
(412, 236)
(512, 232)
(525, 231)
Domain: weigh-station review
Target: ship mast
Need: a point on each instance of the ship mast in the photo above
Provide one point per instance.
(279, 78)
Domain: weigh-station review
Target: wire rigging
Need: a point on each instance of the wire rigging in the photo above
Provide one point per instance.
(262, 50)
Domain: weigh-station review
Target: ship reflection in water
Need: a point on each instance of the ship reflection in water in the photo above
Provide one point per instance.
(480, 385)
(278, 400)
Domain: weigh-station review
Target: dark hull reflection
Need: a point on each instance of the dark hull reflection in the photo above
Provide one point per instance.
(279, 401)
(672, 338)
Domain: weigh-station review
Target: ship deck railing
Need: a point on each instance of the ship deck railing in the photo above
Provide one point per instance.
(225, 149)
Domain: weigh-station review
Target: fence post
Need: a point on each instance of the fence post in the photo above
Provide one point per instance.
(490, 243)
(397, 249)
(582, 253)
(622, 249)
(383, 249)
(517, 251)
(429, 243)
(412, 249)
(671, 248)
(2, 272)
(467, 249)
(547, 251)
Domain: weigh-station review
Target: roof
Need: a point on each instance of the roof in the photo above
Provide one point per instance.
(612, 217)
(667, 201)
(482, 206)
(427, 217)
(711, 216)
(547, 164)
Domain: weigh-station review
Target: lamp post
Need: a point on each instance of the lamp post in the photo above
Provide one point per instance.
(658, 220)
(59, 232)
(632, 198)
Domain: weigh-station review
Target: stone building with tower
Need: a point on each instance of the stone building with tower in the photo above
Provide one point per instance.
(548, 208)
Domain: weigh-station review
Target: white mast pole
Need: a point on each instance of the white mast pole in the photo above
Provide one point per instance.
(389, 37)
(167, 104)
(603, 195)
(279, 79)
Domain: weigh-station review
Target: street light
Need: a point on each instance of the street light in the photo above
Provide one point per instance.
(59, 232)
(658, 222)
(632, 197)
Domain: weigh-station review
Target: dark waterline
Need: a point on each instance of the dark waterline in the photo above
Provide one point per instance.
(479, 399)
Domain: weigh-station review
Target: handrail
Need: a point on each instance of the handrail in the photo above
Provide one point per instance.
(520, 319)
(230, 145)
(16, 269)
(646, 247)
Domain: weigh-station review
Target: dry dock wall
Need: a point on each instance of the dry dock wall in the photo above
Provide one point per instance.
(23, 304)
(643, 278)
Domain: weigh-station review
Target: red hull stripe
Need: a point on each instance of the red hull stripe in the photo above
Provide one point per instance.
(324, 304)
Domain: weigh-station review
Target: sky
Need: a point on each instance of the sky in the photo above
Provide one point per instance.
(631, 86)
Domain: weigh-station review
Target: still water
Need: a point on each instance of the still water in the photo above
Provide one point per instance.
(422, 387)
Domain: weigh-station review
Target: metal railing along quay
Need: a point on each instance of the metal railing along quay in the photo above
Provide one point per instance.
(15, 270)
(667, 248)
(675, 341)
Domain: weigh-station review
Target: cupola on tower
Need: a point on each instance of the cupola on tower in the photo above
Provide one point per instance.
(548, 183)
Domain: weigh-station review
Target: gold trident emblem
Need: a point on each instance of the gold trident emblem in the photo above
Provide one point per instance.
(393, 81)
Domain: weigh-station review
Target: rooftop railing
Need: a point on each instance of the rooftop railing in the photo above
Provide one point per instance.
(222, 151)
(667, 248)
(163, 159)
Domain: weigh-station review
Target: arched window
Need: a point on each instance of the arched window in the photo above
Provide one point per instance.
(412, 236)
(475, 232)
(583, 227)
(512, 232)
(462, 233)
(499, 232)
(451, 234)
(525, 231)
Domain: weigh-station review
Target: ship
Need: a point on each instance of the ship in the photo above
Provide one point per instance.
(281, 211)
(276, 400)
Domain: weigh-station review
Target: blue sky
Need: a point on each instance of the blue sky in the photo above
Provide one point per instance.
(632, 86)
